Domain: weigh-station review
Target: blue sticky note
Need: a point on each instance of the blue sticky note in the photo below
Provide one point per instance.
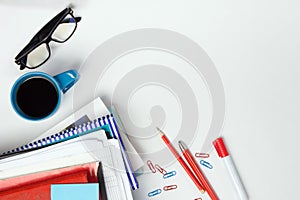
(87, 191)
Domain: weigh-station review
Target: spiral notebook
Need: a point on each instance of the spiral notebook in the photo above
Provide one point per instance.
(106, 123)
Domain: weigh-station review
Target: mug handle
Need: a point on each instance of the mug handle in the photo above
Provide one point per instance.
(67, 79)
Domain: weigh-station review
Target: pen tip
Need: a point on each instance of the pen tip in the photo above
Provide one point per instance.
(160, 131)
(182, 145)
(202, 191)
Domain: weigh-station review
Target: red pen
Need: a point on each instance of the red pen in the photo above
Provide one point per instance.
(181, 161)
(193, 164)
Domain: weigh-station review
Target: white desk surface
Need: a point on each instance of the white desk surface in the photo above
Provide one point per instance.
(254, 46)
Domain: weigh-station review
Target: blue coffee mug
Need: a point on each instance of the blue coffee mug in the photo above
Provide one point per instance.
(37, 95)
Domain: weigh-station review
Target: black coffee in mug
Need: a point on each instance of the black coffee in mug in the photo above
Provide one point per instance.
(37, 97)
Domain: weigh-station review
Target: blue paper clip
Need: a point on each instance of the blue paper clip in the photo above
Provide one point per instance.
(206, 164)
(154, 193)
(169, 174)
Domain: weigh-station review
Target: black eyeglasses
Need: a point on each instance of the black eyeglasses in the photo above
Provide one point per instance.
(58, 29)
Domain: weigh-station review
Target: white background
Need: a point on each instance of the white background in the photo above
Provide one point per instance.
(253, 44)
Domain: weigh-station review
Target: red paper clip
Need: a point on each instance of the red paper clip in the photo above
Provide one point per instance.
(199, 198)
(151, 167)
(201, 155)
(170, 187)
(160, 169)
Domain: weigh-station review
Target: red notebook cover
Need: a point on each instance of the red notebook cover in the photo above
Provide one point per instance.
(37, 186)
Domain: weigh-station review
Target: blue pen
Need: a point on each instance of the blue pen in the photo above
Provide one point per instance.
(133, 182)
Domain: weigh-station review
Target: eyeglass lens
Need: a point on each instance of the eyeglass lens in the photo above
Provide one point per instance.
(65, 29)
(37, 56)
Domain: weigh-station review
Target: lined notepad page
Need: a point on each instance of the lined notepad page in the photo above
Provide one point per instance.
(115, 177)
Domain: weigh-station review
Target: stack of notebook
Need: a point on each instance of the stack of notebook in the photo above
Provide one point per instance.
(84, 151)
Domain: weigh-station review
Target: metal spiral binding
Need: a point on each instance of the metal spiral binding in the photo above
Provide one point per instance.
(65, 134)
